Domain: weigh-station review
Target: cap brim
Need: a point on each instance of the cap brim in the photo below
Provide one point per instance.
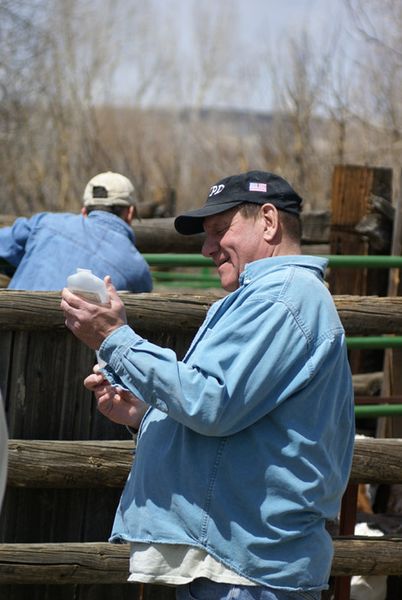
(192, 222)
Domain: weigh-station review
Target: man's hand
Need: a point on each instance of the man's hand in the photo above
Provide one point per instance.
(92, 323)
(120, 406)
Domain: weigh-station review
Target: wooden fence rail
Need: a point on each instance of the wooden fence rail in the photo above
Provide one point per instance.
(104, 563)
(170, 312)
(89, 464)
(58, 465)
(159, 235)
(84, 464)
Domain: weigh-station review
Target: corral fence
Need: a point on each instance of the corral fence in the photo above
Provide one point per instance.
(68, 463)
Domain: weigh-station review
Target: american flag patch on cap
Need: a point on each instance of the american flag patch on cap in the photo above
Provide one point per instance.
(257, 187)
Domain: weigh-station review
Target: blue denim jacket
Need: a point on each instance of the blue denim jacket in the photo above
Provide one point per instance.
(248, 443)
(50, 246)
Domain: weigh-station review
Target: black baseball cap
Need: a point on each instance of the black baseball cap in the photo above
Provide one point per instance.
(257, 187)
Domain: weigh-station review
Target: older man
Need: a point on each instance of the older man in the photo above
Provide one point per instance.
(244, 446)
(48, 247)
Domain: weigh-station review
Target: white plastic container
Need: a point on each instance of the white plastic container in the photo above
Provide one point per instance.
(90, 287)
(87, 285)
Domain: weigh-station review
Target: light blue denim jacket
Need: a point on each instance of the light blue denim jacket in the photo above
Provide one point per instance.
(49, 247)
(247, 446)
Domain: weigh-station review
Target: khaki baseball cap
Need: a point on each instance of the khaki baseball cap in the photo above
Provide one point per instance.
(109, 189)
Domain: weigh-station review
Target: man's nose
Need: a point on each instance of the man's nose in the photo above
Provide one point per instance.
(208, 247)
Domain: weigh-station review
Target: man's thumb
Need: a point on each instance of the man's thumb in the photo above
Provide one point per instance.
(111, 290)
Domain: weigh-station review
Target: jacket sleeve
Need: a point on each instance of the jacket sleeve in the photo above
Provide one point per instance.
(142, 282)
(237, 373)
(13, 239)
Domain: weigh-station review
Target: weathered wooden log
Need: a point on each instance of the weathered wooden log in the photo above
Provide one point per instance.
(369, 315)
(367, 384)
(4, 280)
(157, 311)
(377, 460)
(316, 249)
(72, 563)
(367, 556)
(316, 227)
(6, 220)
(360, 315)
(153, 235)
(103, 563)
(68, 464)
(383, 206)
(377, 230)
(159, 235)
(88, 464)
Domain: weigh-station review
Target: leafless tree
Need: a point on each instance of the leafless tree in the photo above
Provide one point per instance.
(91, 85)
(378, 24)
(299, 76)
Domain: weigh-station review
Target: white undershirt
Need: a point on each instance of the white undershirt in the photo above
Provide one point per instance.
(174, 564)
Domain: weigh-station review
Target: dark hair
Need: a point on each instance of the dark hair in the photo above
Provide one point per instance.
(115, 209)
(291, 223)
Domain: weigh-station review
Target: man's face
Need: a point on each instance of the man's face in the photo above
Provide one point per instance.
(232, 240)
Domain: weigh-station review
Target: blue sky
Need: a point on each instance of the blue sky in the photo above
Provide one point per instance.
(290, 15)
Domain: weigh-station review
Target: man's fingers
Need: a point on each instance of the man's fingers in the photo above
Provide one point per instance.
(94, 380)
(111, 289)
(70, 299)
(89, 382)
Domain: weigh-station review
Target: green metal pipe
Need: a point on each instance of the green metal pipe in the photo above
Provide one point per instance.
(379, 342)
(178, 260)
(189, 277)
(370, 261)
(184, 280)
(378, 410)
(188, 284)
(197, 260)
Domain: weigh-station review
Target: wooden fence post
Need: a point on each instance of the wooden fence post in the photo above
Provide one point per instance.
(358, 223)
(356, 208)
(392, 381)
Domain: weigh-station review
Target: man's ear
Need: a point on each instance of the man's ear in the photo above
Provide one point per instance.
(131, 212)
(271, 221)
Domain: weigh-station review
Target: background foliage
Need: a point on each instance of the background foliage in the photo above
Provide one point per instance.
(61, 121)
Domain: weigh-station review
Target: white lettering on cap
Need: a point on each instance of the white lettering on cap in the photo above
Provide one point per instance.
(215, 189)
